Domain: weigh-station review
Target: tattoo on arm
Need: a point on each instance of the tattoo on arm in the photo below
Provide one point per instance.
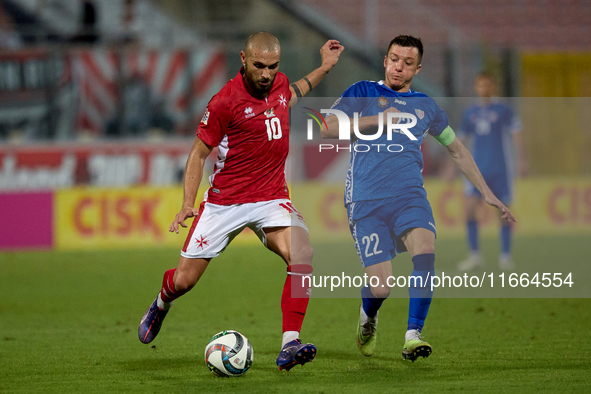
(309, 84)
(297, 90)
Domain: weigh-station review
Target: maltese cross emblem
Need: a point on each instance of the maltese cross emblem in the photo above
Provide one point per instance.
(201, 242)
(282, 101)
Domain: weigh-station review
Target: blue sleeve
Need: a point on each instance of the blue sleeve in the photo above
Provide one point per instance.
(440, 121)
(349, 101)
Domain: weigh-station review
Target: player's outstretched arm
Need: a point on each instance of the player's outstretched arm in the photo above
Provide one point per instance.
(329, 53)
(465, 162)
(193, 175)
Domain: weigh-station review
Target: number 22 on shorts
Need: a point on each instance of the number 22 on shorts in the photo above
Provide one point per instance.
(367, 241)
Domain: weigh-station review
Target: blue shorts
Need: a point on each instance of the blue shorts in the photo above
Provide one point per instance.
(499, 184)
(378, 225)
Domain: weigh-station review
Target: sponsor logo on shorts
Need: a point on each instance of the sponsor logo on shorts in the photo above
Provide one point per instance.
(432, 225)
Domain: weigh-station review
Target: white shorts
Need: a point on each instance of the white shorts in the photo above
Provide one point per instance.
(217, 225)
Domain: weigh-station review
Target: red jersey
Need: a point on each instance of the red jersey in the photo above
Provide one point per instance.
(252, 136)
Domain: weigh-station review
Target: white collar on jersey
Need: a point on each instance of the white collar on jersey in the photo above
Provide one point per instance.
(386, 86)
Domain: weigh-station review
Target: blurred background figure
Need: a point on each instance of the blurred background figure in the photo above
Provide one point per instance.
(161, 122)
(133, 113)
(128, 22)
(139, 112)
(88, 33)
(9, 37)
(492, 131)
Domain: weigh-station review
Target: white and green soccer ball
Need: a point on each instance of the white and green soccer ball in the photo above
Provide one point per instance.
(228, 353)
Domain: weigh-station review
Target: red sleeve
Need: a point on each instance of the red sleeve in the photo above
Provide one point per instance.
(215, 121)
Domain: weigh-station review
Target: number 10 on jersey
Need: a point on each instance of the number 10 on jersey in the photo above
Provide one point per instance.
(273, 128)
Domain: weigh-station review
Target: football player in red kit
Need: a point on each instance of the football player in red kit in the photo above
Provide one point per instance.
(248, 120)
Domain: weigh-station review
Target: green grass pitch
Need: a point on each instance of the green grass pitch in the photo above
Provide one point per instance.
(68, 323)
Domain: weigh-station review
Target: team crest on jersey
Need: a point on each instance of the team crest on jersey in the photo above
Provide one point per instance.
(282, 101)
(420, 114)
(383, 102)
(205, 117)
(248, 113)
(270, 113)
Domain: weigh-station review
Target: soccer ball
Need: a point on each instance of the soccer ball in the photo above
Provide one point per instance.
(228, 353)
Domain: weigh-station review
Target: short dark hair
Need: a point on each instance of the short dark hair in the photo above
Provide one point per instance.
(408, 41)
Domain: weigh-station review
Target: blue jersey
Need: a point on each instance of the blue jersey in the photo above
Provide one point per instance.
(385, 168)
(490, 128)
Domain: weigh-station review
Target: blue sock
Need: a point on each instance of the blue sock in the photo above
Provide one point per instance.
(506, 239)
(473, 235)
(371, 304)
(420, 297)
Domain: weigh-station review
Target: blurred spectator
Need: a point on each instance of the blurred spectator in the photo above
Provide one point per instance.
(128, 20)
(9, 37)
(492, 128)
(138, 114)
(132, 116)
(161, 121)
(88, 31)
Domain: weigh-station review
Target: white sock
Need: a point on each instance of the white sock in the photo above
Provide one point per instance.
(163, 305)
(289, 336)
(412, 334)
(364, 317)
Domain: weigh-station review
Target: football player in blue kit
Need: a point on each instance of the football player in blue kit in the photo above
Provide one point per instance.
(493, 130)
(384, 194)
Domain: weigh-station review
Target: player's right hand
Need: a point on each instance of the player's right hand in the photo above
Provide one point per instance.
(330, 53)
(179, 219)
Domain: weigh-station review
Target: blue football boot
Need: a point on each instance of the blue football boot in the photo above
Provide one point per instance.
(294, 353)
(151, 323)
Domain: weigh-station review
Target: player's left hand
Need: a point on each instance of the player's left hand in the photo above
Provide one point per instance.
(505, 212)
(330, 53)
(179, 219)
